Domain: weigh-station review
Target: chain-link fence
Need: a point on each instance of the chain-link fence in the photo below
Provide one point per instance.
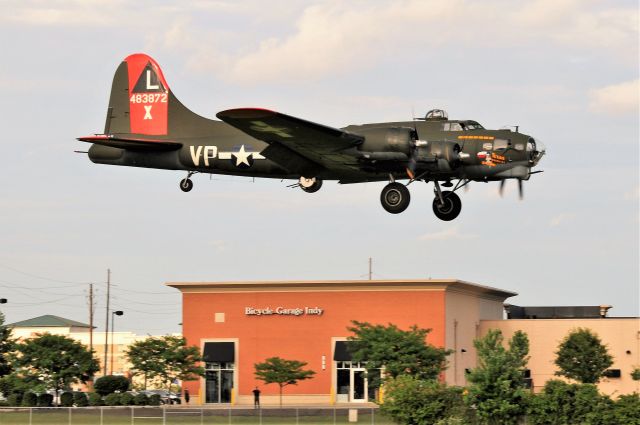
(188, 415)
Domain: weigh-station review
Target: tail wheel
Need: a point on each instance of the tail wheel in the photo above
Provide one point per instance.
(310, 185)
(186, 185)
(451, 207)
(395, 198)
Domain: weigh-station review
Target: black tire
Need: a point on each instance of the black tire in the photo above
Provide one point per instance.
(451, 208)
(186, 185)
(395, 198)
(314, 187)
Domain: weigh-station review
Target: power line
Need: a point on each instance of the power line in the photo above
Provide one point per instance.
(42, 277)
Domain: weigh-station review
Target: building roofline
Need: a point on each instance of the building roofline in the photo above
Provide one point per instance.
(339, 285)
(48, 321)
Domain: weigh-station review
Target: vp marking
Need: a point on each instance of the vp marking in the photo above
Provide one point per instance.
(241, 158)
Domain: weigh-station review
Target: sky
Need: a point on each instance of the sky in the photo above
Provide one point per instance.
(564, 71)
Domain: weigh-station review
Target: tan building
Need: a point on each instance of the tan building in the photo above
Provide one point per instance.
(546, 331)
(117, 341)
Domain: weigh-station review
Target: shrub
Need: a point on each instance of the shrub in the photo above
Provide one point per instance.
(141, 399)
(14, 399)
(66, 399)
(45, 400)
(561, 403)
(627, 410)
(80, 399)
(126, 399)
(112, 399)
(30, 400)
(111, 384)
(409, 400)
(95, 399)
(635, 374)
(154, 400)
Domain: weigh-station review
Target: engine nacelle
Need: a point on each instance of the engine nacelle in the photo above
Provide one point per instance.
(388, 139)
(447, 151)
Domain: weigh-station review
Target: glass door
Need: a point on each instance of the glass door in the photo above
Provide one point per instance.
(219, 382)
(358, 385)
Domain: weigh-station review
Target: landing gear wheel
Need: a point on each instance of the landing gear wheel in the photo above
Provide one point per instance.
(310, 185)
(186, 185)
(395, 198)
(451, 207)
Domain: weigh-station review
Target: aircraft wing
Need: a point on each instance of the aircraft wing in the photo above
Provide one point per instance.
(296, 144)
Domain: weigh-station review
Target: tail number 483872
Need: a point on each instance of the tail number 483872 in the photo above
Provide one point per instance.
(148, 98)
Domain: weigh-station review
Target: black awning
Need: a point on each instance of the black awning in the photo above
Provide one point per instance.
(219, 352)
(341, 353)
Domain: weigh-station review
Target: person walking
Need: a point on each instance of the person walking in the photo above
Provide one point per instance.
(186, 396)
(256, 398)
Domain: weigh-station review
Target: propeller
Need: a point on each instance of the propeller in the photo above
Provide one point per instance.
(520, 188)
(413, 162)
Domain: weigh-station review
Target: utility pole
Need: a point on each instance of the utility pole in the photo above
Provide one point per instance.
(106, 328)
(370, 268)
(91, 317)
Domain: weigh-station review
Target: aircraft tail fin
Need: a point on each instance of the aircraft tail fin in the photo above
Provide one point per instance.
(142, 105)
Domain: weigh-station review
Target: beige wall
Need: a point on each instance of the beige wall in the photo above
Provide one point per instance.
(621, 335)
(464, 311)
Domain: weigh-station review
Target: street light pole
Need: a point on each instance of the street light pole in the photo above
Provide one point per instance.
(113, 313)
(106, 328)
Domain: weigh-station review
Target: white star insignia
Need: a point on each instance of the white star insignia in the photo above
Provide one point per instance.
(242, 157)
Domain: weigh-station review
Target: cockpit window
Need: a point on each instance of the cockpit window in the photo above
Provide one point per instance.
(473, 126)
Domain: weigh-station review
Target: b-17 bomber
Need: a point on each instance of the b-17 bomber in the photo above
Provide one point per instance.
(147, 126)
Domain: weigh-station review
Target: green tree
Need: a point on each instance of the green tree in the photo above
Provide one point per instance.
(146, 357)
(635, 374)
(54, 360)
(399, 352)
(6, 346)
(409, 400)
(167, 358)
(581, 356)
(497, 389)
(283, 372)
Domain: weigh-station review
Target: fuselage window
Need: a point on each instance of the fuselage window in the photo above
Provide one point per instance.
(500, 144)
(455, 127)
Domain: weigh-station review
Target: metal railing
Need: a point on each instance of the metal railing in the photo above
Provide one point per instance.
(169, 415)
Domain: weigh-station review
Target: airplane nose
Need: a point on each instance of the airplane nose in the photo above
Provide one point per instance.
(536, 150)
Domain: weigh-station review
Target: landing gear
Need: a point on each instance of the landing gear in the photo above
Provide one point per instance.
(186, 184)
(395, 198)
(449, 207)
(310, 185)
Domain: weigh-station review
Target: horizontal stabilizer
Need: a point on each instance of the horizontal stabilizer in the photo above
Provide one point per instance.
(132, 143)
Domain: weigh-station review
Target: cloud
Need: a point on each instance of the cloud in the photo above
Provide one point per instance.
(622, 98)
(451, 233)
(561, 218)
(332, 37)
